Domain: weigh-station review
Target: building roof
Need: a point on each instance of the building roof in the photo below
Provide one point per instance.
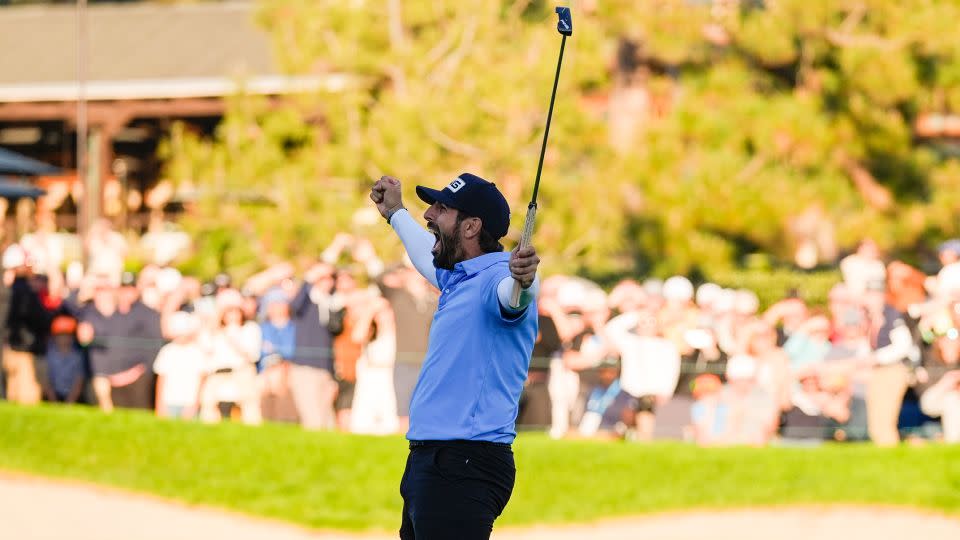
(133, 48)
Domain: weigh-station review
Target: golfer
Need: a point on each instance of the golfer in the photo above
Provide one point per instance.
(460, 470)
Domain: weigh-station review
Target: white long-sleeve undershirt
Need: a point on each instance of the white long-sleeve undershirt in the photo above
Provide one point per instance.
(419, 243)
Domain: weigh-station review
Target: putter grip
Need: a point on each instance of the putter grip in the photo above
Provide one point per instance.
(524, 241)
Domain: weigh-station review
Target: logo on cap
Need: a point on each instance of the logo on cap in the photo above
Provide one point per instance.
(456, 185)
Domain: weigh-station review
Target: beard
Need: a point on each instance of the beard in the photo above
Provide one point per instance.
(447, 251)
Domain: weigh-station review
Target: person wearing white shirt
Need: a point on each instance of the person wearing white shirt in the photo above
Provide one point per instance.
(374, 408)
(650, 364)
(234, 351)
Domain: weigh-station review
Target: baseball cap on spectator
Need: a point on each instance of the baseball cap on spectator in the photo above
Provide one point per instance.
(222, 280)
(746, 302)
(169, 279)
(653, 286)
(725, 301)
(705, 383)
(274, 295)
(707, 294)
(63, 324)
(208, 289)
(951, 246)
(15, 257)
(228, 299)
(678, 288)
(476, 197)
(740, 367)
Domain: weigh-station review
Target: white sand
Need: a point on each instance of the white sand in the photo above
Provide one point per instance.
(38, 509)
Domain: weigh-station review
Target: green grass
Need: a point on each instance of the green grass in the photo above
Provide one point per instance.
(329, 480)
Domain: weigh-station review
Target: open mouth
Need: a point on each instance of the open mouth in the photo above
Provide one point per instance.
(438, 243)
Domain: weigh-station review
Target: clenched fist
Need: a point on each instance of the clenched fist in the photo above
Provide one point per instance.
(387, 196)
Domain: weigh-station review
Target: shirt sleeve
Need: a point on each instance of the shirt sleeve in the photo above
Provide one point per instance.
(250, 338)
(418, 242)
(901, 343)
(669, 370)
(527, 296)
(160, 364)
(619, 327)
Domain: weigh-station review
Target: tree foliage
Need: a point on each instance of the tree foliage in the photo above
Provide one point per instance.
(685, 136)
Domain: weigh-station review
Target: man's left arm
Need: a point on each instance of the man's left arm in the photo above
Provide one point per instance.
(523, 268)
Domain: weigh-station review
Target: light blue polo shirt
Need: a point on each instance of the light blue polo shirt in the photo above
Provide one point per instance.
(477, 359)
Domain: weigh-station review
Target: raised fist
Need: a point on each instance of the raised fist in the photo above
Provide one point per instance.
(387, 196)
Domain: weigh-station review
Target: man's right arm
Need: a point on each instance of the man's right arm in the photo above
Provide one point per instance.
(418, 242)
(386, 194)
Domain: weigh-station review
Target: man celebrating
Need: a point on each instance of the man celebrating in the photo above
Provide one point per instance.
(460, 471)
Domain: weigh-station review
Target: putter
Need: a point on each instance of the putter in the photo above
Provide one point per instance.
(565, 27)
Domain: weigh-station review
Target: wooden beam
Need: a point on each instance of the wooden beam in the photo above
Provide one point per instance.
(106, 111)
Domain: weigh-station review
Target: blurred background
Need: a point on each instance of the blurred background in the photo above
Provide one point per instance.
(748, 218)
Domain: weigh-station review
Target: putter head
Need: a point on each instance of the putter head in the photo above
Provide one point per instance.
(565, 24)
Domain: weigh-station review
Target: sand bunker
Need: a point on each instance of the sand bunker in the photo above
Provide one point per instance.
(42, 509)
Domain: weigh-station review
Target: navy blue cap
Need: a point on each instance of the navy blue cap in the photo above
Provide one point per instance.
(476, 197)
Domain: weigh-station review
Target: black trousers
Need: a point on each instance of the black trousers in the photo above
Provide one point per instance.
(455, 489)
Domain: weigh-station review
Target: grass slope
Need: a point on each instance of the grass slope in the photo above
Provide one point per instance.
(331, 480)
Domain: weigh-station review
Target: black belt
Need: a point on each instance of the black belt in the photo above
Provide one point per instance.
(458, 442)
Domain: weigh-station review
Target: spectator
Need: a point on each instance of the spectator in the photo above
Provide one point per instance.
(278, 346)
(180, 367)
(650, 365)
(750, 413)
(349, 302)
(809, 345)
(678, 314)
(863, 266)
(708, 416)
(786, 316)
(706, 297)
(893, 347)
(607, 405)
(773, 365)
(535, 405)
(804, 420)
(948, 278)
(586, 305)
(374, 407)
(65, 363)
(906, 286)
(27, 326)
(231, 368)
(628, 295)
(824, 409)
(845, 414)
(107, 249)
(311, 368)
(938, 382)
(413, 302)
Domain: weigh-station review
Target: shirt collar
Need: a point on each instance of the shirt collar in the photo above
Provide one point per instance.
(478, 264)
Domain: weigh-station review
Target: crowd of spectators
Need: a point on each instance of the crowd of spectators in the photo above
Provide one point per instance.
(879, 362)
(339, 346)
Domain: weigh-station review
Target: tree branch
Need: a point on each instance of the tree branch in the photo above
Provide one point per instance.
(450, 144)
